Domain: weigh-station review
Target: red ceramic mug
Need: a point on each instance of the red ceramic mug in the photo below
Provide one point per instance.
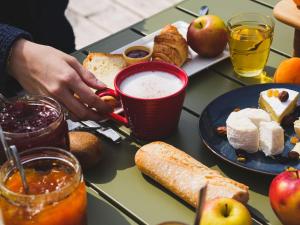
(149, 118)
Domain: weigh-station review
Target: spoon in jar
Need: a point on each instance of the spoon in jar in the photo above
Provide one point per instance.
(12, 155)
(3, 100)
(19, 166)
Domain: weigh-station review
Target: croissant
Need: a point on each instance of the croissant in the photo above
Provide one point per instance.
(170, 46)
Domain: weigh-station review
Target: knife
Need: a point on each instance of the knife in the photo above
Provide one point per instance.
(96, 127)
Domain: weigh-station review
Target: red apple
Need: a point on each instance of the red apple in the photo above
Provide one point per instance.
(207, 35)
(284, 196)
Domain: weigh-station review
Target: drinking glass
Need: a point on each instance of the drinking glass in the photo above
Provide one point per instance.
(250, 38)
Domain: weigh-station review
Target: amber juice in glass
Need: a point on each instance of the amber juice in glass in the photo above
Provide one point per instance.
(250, 38)
(57, 194)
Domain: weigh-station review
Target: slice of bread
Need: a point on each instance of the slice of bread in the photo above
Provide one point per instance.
(105, 66)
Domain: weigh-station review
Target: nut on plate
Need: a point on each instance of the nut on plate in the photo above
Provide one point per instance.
(86, 147)
(295, 152)
(221, 130)
(293, 155)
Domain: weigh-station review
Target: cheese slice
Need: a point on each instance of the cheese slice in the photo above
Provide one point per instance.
(297, 127)
(277, 109)
(271, 138)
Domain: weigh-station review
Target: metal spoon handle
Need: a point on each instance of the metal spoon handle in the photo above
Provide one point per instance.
(203, 10)
(5, 145)
(3, 99)
(19, 166)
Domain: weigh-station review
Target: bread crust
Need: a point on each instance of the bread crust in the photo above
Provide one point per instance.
(105, 66)
(184, 176)
(91, 55)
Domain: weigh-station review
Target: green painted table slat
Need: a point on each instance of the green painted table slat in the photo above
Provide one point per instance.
(112, 42)
(158, 21)
(282, 31)
(200, 91)
(99, 211)
(79, 56)
(270, 3)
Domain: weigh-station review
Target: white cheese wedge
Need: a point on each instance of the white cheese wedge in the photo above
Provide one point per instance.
(271, 138)
(297, 127)
(277, 109)
(242, 132)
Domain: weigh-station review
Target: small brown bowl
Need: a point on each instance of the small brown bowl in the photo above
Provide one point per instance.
(133, 60)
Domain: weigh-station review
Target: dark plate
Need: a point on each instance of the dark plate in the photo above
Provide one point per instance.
(216, 113)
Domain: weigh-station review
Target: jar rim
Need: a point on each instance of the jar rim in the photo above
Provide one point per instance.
(48, 100)
(68, 188)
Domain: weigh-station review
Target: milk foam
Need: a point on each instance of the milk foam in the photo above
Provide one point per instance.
(151, 84)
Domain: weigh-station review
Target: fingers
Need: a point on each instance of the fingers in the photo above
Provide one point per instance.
(87, 96)
(90, 98)
(88, 77)
(78, 110)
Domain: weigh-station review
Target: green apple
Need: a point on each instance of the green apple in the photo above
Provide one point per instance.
(225, 211)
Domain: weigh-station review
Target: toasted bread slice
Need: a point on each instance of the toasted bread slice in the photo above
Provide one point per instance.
(184, 175)
(105, 66)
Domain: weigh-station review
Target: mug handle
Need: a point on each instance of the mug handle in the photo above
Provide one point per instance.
(114, 116)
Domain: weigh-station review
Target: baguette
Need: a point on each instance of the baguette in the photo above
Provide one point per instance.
(184, 176)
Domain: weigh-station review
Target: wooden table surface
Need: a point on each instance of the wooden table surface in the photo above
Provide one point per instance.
(120, 192)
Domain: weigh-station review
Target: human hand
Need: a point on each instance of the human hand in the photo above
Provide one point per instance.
(44, 70)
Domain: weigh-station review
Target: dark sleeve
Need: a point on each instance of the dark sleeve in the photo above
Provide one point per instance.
(8, 35)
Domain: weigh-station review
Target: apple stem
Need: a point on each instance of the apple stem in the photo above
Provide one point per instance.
(226, 210)
(297, 174)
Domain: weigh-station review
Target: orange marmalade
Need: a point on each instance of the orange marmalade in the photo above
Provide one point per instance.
(57, 194)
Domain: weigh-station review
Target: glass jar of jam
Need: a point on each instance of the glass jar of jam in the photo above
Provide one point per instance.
(56, 196)
(33, 121)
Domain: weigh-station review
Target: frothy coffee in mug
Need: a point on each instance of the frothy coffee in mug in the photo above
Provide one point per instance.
(151, 84)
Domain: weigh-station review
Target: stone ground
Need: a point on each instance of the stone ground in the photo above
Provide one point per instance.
(93, 20)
